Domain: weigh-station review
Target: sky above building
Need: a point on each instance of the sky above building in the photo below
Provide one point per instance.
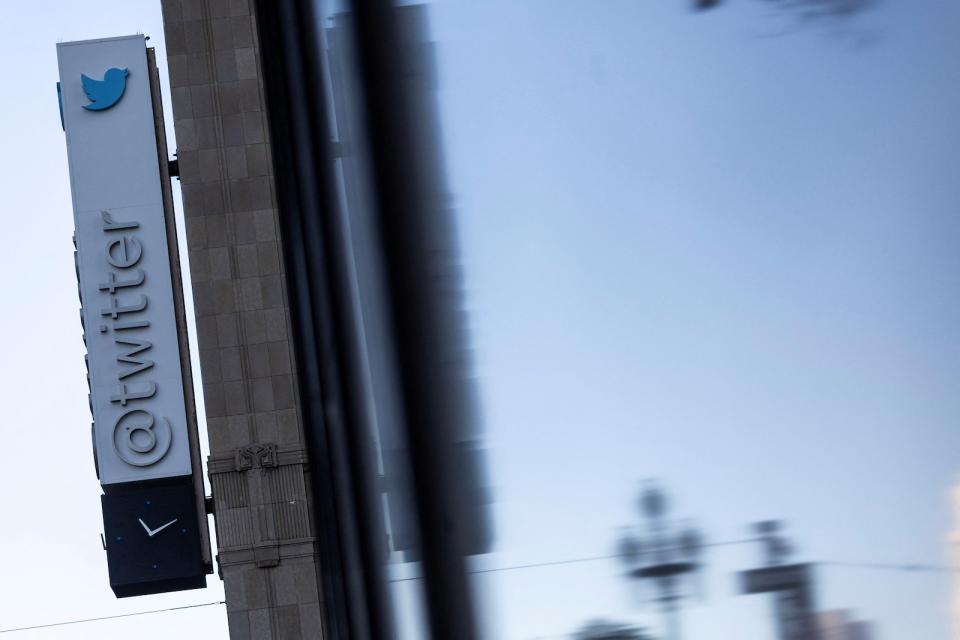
(715, 249)
(718, 250)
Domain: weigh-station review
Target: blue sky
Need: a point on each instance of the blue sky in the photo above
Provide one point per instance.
(693, 251)
(723, 259)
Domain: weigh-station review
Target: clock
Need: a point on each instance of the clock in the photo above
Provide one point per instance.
(152, 539)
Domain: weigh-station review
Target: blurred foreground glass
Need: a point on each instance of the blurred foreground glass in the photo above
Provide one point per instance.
(712, 248)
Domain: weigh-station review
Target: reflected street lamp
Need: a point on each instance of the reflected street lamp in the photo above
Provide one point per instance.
(666, 555)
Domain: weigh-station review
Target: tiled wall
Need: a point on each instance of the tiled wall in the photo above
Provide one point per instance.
(266, 551)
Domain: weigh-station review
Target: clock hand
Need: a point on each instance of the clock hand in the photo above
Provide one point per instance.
(146, 527)
(159, 529)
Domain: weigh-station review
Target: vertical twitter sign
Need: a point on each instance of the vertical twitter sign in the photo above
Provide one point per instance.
(140, 427)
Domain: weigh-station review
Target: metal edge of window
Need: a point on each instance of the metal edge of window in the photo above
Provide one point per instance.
(355, 603)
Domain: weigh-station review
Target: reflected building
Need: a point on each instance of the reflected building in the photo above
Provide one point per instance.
(838, 624)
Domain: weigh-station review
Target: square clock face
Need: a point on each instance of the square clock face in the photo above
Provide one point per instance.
(153, 541)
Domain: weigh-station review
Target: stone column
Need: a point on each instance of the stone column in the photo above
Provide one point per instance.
(258, 464)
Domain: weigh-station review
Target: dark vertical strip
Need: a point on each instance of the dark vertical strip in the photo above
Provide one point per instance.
(419, 248)
(343, 480)
(323, 470)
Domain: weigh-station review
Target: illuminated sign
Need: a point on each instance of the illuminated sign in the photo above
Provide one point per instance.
(123, 264)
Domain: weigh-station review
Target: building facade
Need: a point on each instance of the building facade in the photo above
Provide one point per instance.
(258, 470)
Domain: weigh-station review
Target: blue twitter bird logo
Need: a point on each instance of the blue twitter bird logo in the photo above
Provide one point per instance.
(105, 93)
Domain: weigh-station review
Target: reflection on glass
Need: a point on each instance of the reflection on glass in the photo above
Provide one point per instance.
(716, 248)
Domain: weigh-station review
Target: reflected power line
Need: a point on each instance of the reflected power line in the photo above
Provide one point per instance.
(885, 566)
(889, 566)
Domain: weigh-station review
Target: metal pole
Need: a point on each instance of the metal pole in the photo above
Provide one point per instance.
(673, 618)
(673, 622)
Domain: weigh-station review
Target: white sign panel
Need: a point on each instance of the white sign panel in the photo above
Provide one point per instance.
(136, 386)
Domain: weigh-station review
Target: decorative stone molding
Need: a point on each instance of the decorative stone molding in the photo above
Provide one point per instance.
(236, 461)
(260, 500)
(254, 456)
